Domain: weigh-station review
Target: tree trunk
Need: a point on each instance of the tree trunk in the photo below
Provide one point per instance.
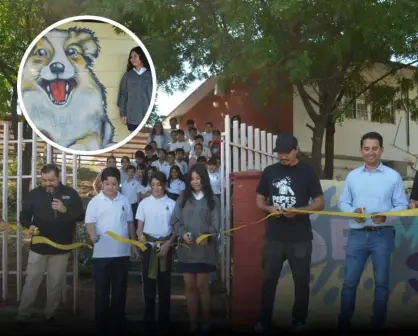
(329, 150)
(317, 140)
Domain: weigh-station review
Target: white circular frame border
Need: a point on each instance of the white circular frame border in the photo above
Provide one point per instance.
(78, 18)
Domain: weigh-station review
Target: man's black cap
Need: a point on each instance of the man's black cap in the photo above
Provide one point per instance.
(285, 143)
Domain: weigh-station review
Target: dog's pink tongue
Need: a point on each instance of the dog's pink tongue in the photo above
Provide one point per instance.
(58, 90)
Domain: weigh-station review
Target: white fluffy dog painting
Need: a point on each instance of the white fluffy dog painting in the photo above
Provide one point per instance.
(61, 93)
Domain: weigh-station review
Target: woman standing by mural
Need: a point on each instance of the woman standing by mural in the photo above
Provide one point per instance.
(135, 89)
(197, 212)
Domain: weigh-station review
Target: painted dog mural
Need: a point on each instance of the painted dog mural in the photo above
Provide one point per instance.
(61, 92)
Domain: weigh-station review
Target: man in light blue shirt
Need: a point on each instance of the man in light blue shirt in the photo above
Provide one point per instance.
(371, 188)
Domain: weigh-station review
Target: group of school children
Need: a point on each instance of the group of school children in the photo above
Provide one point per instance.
(165, 199)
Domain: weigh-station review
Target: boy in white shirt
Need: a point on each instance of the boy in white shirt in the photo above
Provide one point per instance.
(191, 135)
(214, 176)
(132, 189)
(205, 150)
(154, 224)
(182, 143)
(172, 144)
(207, 134)
(180, 161)
(173, 125)
(161, 164)
(110, 211)
(190, 127)
(198, 152)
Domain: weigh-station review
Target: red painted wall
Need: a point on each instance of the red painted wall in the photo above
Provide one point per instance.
(236, 102)
(246, 249)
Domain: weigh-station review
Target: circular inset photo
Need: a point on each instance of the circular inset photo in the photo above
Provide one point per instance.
(86, 85)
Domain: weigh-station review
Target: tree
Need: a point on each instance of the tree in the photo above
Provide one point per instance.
(154, 116)
(20, 22)
(160, 29)
(324, 47)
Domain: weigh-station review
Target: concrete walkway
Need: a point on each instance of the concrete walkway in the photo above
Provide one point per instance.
(84, 322)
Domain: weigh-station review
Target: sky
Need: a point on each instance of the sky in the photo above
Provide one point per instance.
(167, 103)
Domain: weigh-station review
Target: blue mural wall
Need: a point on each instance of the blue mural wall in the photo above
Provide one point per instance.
(330, 238)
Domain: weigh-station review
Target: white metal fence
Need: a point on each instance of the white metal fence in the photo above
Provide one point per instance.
(65, 160)
(243, 148)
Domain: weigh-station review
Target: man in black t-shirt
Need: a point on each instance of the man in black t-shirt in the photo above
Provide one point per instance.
(286, 185)
(414, 193)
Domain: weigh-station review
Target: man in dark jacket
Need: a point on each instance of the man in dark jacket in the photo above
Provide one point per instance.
(54, 209)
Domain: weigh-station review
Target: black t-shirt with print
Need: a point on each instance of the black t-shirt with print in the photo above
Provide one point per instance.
(289, 187)
(414, 192)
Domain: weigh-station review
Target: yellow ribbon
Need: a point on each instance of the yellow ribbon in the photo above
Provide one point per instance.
(44, 240)
(11, 227)
(36, 239)
(124, 240)
(399, 213)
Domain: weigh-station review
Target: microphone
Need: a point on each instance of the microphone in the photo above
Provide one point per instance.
(52, 199)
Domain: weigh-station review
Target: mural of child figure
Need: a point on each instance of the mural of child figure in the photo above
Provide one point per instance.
(135, 89)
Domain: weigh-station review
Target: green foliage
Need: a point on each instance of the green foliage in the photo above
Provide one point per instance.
(20, 22)
(12, 190)
(160, 25)
(328, 45)
(322, 43)
(154, 117)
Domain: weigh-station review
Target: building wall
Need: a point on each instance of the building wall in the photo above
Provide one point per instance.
(330, 237)
(236, 102)
(348, 134)
(109, 67)
(327, 273)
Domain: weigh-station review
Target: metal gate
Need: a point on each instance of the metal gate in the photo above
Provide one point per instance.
(243, 148)
(18, 272)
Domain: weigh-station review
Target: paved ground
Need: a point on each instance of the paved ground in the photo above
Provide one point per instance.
(84, 319)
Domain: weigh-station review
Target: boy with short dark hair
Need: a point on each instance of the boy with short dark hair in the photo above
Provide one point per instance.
(207, 134)
(110, 211)
(131, 189)
(180, 161)
(149, 153)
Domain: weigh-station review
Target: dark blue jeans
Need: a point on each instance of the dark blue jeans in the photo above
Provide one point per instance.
(110, 284)
(361, 244)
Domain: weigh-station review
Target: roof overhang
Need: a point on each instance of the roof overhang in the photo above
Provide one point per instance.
(195, 97)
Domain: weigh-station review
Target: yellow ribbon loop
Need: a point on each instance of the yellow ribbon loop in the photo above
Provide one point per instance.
(123, 240)
(44, 240)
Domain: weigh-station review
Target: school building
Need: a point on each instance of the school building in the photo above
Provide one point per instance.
(210, 103)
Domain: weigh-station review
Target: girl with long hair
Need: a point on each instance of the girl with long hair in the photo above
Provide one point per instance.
(154, 224)
(135, 90)
(175, 183)
(197, 212)
(157, 135)
(142, 175)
